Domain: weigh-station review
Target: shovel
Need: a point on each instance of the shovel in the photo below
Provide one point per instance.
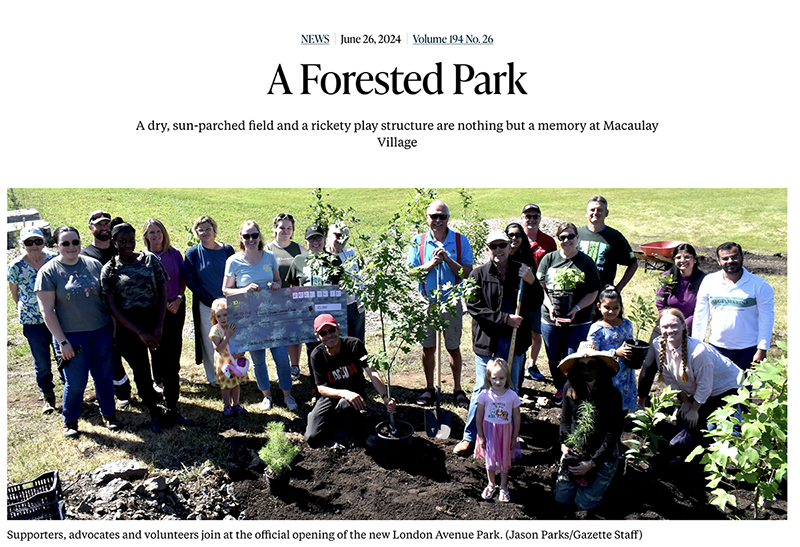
(514, 331)
(437, 422)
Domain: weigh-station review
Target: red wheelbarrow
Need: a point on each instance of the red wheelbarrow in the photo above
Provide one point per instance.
(658, 254)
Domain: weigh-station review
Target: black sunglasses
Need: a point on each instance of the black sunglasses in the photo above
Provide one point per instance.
(569, 237)
(75, 242)
(250, 236)
(534, 217)
(439, 217)
(283, 216)
(515, 235)
(493, 246)
(37, 241)
(324, 333)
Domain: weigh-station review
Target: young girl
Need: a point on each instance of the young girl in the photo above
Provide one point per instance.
(498, 420)
(610, 333)
(221, 332)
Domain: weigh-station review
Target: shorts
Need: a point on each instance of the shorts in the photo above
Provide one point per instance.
(452, 336)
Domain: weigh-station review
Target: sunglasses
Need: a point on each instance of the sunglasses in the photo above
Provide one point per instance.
(439, 217)
(493, 246)
(204, 230)
(283, 216)
(37, 241)
(98, 216)
(250, 236)
(568, 237)
(533, 217)
(515, 235)
(324, 333)
(75, 242)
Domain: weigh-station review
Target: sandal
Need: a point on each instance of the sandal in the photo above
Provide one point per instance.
(505, 497)
(461, 399)
(426, 397)
(488, 492)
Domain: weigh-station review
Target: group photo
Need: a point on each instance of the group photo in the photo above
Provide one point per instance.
(446, 353)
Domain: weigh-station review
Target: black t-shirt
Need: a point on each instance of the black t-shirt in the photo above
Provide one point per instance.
(103, 255)
(345, 370)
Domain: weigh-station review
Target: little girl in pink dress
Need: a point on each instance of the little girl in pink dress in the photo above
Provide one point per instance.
(221, 332)
(498, 419)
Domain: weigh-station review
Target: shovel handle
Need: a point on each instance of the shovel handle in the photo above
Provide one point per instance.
(514, 331)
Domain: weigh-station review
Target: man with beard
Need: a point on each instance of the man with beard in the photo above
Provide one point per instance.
(740, 307)
(102, 250)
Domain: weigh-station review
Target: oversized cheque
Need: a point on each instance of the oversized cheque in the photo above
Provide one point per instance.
(268, 319)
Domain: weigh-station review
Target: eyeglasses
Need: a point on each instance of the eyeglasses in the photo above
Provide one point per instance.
(250, 236)
(324, 333)
(567, 237)
(439, 217)
(204, 230)
(493, 246)
(37, 241)
(74, 242)
(515, 235)
(533, 217)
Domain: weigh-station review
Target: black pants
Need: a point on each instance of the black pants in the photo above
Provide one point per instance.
(136, 353)
(167, 358)
(330, 417)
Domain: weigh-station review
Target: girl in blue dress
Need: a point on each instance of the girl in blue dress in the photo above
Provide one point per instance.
(609, 334)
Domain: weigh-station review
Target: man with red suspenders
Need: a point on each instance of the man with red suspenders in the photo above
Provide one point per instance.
(448, 251)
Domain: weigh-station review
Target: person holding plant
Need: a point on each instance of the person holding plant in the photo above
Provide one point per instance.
(285, 250)
(443, 256)
(68, 291)
(134, 286)
(338, 236)
(500, 313)
(677, 289)
(21, 283)
(204, 271)
(609, 334)
(338, 365)
(571, 285)
(220, 335)
(590, 427)
(254, 269)
(498, 421)
(703, 376)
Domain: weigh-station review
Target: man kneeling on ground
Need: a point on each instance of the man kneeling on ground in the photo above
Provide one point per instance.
(338, 370)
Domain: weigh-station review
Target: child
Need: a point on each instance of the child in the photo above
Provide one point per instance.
(221, 332)
(498, 419)
(610, 333)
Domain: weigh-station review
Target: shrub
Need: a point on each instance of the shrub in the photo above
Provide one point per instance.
(644, 425)
(279, 453)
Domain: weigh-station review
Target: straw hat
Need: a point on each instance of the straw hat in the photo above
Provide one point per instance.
(587, 349)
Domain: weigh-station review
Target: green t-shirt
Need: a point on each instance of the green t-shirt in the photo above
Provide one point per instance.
(607, 248)
(549, 267)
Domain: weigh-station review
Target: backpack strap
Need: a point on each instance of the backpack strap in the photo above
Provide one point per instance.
(422, 260)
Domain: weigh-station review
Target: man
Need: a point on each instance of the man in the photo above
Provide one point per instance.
(338, 367)
(494, 318)
(442, 254)
(541, 244)
(740, 307)
(606, 246)
(101, 249)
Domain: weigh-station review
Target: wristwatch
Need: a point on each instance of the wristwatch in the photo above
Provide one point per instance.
(63, 343)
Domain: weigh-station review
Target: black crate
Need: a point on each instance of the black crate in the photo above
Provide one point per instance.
(39, 499)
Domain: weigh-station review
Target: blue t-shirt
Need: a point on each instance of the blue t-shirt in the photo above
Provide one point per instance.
(246, 273)
(415, 260)
(204, 270)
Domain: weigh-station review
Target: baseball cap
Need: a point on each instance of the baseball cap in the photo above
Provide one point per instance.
(315, 230)
(29, 232)
(324, 319)
(97, 216)
(531, 207)
(496, 235)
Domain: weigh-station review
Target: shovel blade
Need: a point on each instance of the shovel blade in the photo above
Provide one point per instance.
(437, 423)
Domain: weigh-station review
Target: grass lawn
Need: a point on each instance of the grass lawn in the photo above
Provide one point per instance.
(756, 218)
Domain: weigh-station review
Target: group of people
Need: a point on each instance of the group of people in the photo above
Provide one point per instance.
(109, 301)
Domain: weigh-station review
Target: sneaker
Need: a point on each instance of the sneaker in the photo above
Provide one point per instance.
(49, 405)
(464, 448)
(159, 388)
(239, 409)
(534, 374)
(122, 404)
(228, 411)
(295, 373)
(558, 397)
(266, 404)
(291, 404)
(111, 422)
(70, 430)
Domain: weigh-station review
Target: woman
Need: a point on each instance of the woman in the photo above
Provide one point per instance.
(589, 447)
(68, 291)
(521, 252)
(338, 236)
(253, 269)
(134, 285)
(677, 289)
(21, 282)
(167, 360)
(702, 375)
(285, 250)
(562, 334)
(204, 271)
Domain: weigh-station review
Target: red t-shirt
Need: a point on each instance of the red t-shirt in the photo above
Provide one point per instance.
(542, 245)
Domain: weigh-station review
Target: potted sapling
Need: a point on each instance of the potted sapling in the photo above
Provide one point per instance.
(277, 455)
(643, 315)
(578, 439)
(564, 282)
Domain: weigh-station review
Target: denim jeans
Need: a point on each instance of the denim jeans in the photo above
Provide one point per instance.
(95, 359)
(568, 491)
(503, 347)
(356, 322)
(560, 342)
(281, 357)
(39, 340)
